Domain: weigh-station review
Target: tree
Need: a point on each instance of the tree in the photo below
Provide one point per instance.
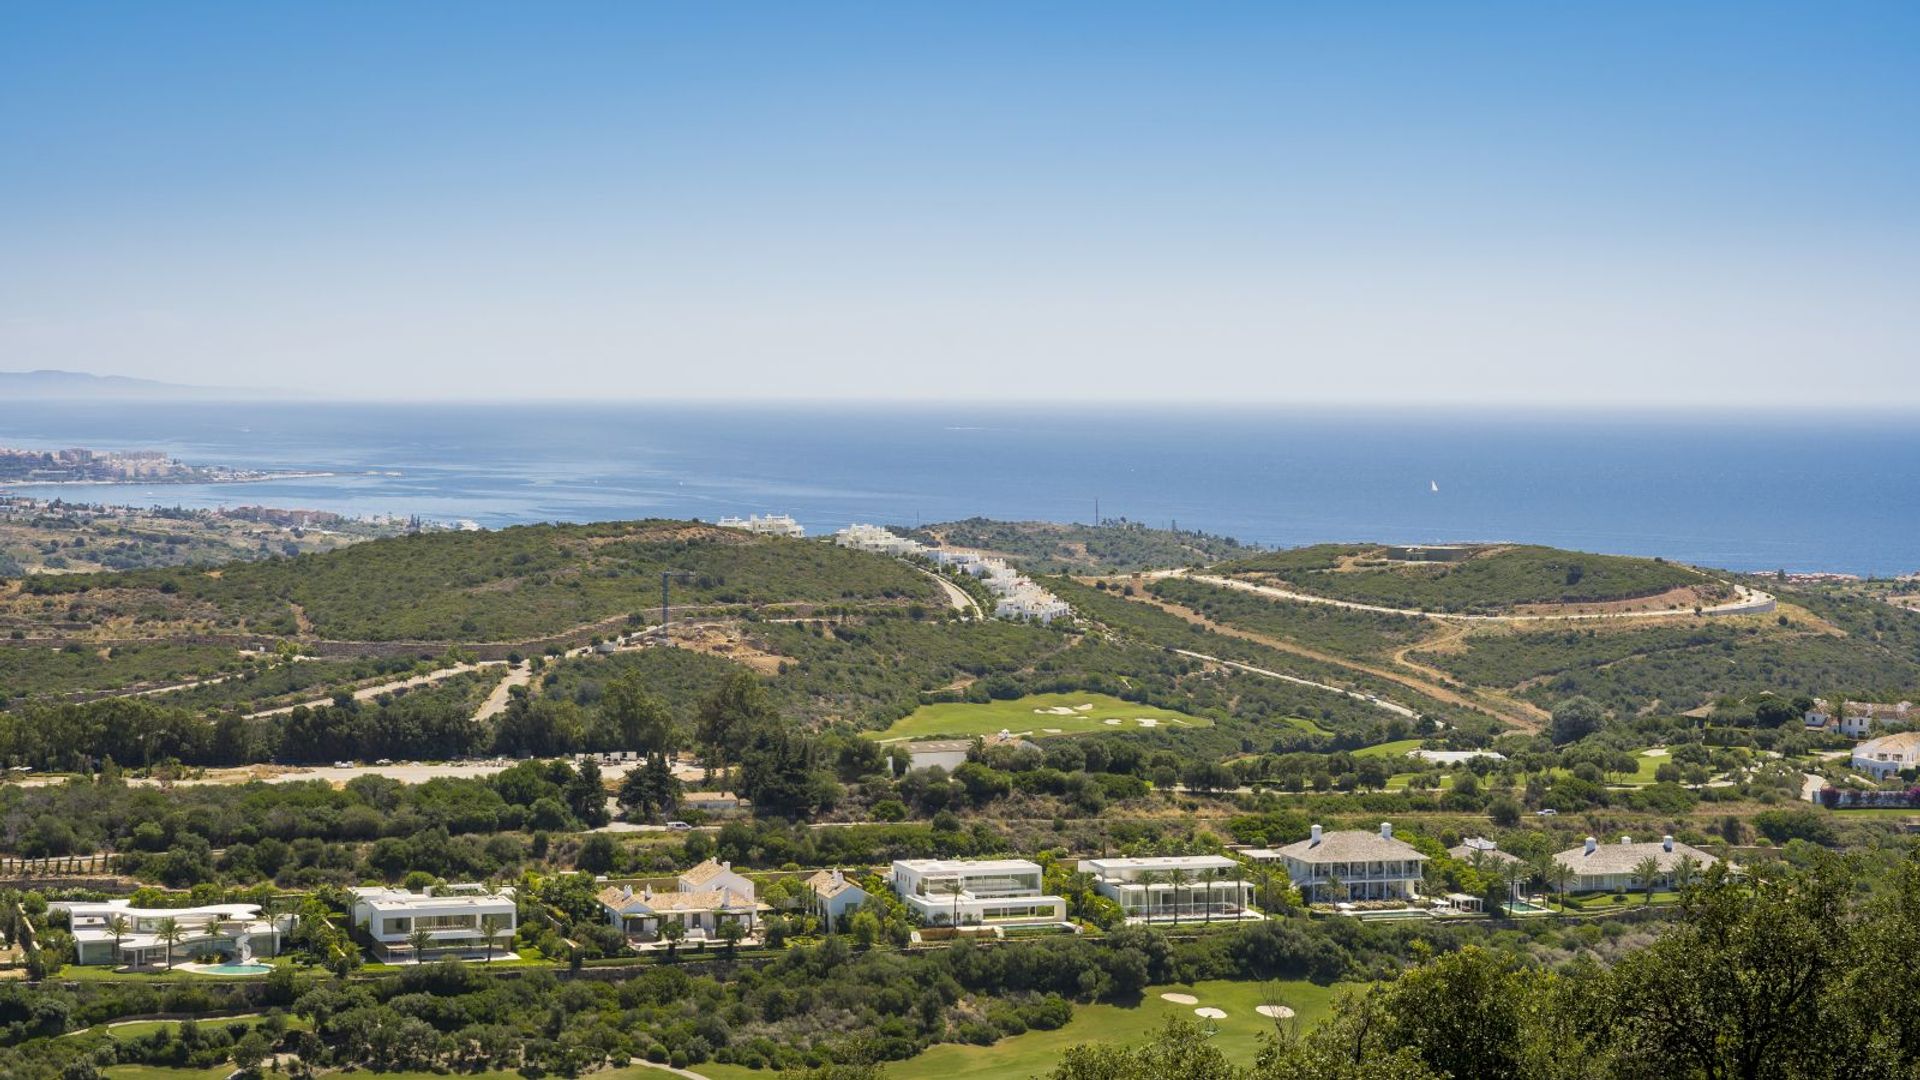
(673, 931)
(1207, 877)
(865, 927)
(649, 789)
(731, 932)
(1576, 718)
(722, 725)
(1646, 873)
(952, 887)
(420, 940)
(637, 720)
(1686, 870)
(169, 930)
(119, 927)
(1178, 1051)
(1179, 879)
(1559, 877)
(491, 928)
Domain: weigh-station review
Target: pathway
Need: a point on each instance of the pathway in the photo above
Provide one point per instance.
(1745, 602)
(956, 595)
(368, 693)
(1356, 695)
(518, 675)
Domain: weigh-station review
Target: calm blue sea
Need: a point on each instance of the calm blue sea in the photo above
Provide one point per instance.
(1754, 493)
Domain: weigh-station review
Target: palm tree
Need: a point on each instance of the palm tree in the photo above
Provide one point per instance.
(169, 931)
(952, 887)
(1207, 876)
(1179, 880)
(1559, 877)
(119, 927)
(490, 928)
(1334, 886)
(1148, 879)
(1647, 873)
(1686, 870)
(420, 939)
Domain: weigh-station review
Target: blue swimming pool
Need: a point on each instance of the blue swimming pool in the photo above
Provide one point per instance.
(236, 969)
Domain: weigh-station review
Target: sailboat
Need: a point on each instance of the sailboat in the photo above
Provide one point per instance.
(1435, 485)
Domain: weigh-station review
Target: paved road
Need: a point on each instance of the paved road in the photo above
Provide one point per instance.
(368, 693)
(1746, 602)
(496, 702)
(956, 595)
(1357, 695)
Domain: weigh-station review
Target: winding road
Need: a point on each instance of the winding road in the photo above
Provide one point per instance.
(1746, 602)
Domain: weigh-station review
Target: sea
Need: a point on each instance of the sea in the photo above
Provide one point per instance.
(1753, 491)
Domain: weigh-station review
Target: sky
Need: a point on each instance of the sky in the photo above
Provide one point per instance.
(1684, 205)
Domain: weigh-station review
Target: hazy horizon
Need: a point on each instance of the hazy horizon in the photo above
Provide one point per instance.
(1511, 207)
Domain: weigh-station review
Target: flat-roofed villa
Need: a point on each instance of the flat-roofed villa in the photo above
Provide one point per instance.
(114, 932)
(974, 892)
(1353, 864)
(1599, 867)
(1169, 887)
(704, 899)
(458, 919)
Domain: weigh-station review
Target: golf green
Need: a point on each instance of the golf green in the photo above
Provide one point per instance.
(1036, 716)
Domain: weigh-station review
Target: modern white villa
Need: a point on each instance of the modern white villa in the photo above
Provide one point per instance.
(458, 918)
(1888, 754)
(972, 892)
(1601, 867)
(1159, 888)
(834, 894)
(113, 932)
(1330, 867)
(704, 899)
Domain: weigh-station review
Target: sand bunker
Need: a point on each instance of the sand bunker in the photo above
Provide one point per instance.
(1057, 710)
(1180, 999)
(1111, 721)
(1275, 1012)
(1146, 721)
(1209, 1013)
(1051, 730)
(1083, 708)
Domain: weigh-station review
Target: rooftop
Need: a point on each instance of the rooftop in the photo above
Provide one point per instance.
(968, 866)
(1622, 857)
(1351, 845)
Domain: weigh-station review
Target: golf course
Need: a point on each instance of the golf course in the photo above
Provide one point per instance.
(1036, 716)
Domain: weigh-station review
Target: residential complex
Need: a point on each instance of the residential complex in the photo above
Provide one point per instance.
(946, 892)
(1329, 867)
(116, 933)
(1169, 887)
(1017, 597)
(770, 525)
(1601, 867)
(1858, 717)
(466, 919)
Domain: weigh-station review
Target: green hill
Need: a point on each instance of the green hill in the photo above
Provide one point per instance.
(506, 585)
(1476, 579)
(1115, 547)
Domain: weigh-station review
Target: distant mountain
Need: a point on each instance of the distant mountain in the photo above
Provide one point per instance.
(79, 385)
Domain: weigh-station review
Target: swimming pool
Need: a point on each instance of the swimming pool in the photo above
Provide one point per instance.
(235, 969)
(1522, 907)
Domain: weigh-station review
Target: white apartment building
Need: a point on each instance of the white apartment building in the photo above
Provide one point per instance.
(972, 892)
(460, 919)
(1330, 867)
(770, 525)
(877, 539)
(1169, 887)
(113, 932)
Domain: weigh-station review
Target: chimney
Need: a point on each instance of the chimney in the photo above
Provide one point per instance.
(1667, 842)
(1386, 830)
(646, 892)
(1316, 834)
(727, 866)
(1592, 845)
(626, 892)
(838, 878)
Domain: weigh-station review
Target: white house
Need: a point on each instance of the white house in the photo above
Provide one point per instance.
(948, 754)
(877, 539)
(1601, 867)
(834, 894)
(976, 891)
(704, 898)
(459, 919)
(1354, 865)
(1174, 886)
(1858, 717)
(116, 933)
(1888, 754)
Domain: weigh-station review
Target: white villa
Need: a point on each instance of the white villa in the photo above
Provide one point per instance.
(1480, 850)
(1031, 602)
(460, 918)
(705, 898)
(1858, 717)
(1888, 754)
(1174, 886)
(770, 525)
(1354, 865)
(1601, 867)
(976, 891)
(834, 894)
(237, 929)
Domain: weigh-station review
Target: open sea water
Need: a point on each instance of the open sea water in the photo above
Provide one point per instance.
(1756, 492)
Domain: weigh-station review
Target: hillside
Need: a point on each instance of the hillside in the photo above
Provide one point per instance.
(511, 585)
(1114, 547)
(1475, 579)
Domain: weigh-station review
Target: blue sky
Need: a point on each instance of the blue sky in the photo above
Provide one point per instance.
(1652, 204)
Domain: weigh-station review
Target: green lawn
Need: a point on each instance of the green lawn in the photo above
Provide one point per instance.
(1036, 1052)
(1397, 748)
(1031, 716)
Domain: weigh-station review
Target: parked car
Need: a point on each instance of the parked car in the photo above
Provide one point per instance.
(679, 826)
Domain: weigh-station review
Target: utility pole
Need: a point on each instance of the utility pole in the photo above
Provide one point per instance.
(1096, 511)
(667, 576)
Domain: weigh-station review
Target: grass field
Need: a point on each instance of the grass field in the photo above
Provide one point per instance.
(1037, 1052)
(1399, 748)
(1030, 716)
